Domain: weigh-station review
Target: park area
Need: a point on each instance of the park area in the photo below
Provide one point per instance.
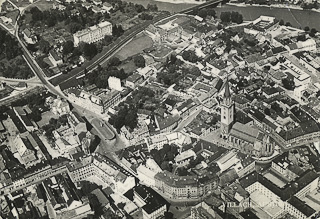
(135, 46)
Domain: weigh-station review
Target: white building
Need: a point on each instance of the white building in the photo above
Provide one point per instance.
(93, 33)
(114, 83)
(273, 201)
(185, 157)
(99, 103)
(308, 45)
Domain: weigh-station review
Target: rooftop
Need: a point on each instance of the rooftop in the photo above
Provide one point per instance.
(182, 181)
(153, 201)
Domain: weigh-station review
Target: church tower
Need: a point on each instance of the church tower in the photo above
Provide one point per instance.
(227, 110)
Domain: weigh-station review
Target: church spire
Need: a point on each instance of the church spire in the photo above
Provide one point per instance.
(227, 89)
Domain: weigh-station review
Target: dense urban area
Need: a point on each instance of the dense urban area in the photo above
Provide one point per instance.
(111, 109)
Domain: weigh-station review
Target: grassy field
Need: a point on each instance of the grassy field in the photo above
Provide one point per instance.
(44, 5)
(136, 46)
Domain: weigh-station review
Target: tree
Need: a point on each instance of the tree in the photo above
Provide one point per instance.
(190, 56)
(152, 7)
(89, 50)
(288, 24)
(117, 30)
(203, 13)
(236, 17)
(281, 22)
(225, 17)
(36, 14)
(114, 61)
(313, 32)
(306, 28)
(44, 46)
(139, 61)
(211, 12)
(68, 47)
(168, 215)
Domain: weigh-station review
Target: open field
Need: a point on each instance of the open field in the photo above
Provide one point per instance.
(136, 46)
(44, 5)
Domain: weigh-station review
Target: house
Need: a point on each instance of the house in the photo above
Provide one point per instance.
(107, 7)
(270, 92)
(97, 2)
(96, 9)
(308, 45)
(133, 80)
(54, 58)
(29, 37)
(86, 5)
(184, 158)
(27, 152)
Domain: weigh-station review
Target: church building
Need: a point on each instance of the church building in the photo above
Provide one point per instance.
(247, 138)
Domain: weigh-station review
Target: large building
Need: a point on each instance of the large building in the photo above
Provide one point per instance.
(103, 169)
(273, 197)
(185, 187)
(98, 102)
(93, 33)
(63, 198)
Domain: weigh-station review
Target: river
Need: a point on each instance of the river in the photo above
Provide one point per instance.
(297, 18)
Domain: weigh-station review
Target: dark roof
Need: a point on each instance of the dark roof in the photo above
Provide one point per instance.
(153, 200)
(166, 122)
(144, 112)
(17, 122)
(270, 90)
(277, 50)
(242, 117)
(26, 120)
(170, 102)
(134, 78)
(257, 114)
(2, 128)
(183, 181)
(219, 84)
(27, 32)
(187, 104)
(301, 206)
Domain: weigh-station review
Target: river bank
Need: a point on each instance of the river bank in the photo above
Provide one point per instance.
(283, 6)
(297, 17)
(194, 2)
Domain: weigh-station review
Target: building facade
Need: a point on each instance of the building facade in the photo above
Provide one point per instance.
(93, 33)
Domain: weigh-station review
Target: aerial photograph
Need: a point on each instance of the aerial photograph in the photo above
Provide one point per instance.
(159, 109)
